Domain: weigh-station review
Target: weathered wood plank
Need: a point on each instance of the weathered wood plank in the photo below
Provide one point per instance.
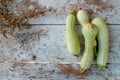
(47, 71)
(23, 71)
(57, 10)
(51, 47)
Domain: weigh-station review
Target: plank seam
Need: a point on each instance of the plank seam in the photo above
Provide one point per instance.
(52, 62)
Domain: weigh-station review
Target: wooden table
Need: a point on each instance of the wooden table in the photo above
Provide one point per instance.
(48, 58)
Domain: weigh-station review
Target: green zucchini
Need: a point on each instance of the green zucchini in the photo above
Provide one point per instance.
(103, 42)
(73, 43)
(82, 17)
(89, 32)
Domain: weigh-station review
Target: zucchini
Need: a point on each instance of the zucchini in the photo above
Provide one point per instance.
(82, 17)
(89, 32)
(103, 42)
(73, 43)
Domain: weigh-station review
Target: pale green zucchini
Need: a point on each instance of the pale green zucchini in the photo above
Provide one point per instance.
(89, 32)
(82, 17)
(73, 43)
(103, 42)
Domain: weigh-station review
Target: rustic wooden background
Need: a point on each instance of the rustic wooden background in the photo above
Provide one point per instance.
(44, 55)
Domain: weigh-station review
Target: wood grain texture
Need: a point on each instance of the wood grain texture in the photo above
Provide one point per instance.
(22, 71)
(40, 53)
(57, 10)
(52, 45)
